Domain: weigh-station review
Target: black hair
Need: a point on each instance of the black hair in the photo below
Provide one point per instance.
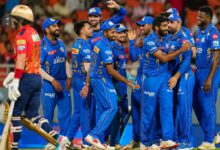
(207, 10)
(79, 25)
(165, 14)
(158, 21)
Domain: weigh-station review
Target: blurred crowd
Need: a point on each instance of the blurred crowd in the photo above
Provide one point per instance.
(70, 11)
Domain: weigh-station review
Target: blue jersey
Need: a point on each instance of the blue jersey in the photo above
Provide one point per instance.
(97, 34)
(206, 41)
(152, 65)
(101, 55)
(53, 58)
(189, 35)
(119, 58)
(181, 63)
(135, 54)
(81, 52)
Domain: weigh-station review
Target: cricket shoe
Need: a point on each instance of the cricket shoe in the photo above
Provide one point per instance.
(64, 143)
(133, 144)
(169, 144)
(217, 138)
(86, 147)
(143, 147)
(108, 147)
(50, 146)
(118, 147)
(95, 142)
(207, 146)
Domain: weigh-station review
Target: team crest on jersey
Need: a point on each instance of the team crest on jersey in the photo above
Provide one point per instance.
(62, 49)
(21, 42)
(35, 37)
(75, 51)
(215, 36)
(52, 52)
(203, 40)
(96, 49)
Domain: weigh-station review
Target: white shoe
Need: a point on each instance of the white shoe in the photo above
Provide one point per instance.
(154, 147)
(169, 144)
(95, 142)
(143, 147)
(207, 146)
(217, 138)
(64, 143)
(49, 146)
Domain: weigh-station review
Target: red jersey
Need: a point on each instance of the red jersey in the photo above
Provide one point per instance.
(28, 41)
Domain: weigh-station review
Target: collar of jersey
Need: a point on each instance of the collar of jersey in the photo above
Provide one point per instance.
(116, 45)
(207, 28)
(48, 41)
(107, 41)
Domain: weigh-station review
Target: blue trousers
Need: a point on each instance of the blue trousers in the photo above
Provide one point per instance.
(106, 105)
(136, 114)
(155, 91)
(50, 98)
(83, 111)
(183, 115)
(204, 103)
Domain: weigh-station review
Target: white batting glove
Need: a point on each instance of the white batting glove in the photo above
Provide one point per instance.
(8, 79)
(13, 92)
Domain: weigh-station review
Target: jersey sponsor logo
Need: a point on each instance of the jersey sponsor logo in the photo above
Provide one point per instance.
(150, 43)
(21, 47)
(96, 39)
(203, 40)
(169, 90)
(51, 95)
(215, 36)
(215, 43)
(75, 51)
(21, 42)
(96, 49)
(180, 92)
(112, 90)
(150, 94)
(35, 37)
(86, 51)
(61, 49)
(52, 52)
(58, 60)
(108, 52)
(172, 46)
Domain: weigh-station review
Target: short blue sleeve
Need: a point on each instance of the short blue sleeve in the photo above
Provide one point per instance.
(106, 55)
(119, 16)
(150, 45)
(214, 39)
(86, 52)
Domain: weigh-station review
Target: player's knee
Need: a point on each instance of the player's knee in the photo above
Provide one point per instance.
(42, 123)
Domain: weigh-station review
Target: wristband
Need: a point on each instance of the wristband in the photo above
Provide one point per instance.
(18, 73)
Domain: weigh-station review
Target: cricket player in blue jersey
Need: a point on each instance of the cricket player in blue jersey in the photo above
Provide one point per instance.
(207, 75)
(182, 82)
(56, 74)
(81, 57)
(101, 73)
(95, 19)
(119, 60)
(156, 71)
(136, 52)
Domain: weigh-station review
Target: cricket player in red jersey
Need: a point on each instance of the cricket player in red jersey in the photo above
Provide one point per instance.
(25, 85)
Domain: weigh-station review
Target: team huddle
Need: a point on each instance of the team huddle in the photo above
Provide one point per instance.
(164, 91)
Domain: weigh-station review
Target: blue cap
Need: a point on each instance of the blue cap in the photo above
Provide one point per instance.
(120, 28)
(107, 25)
(173, 11)
(174, 17)
(145, 20)
(96, 11)
(48, 22)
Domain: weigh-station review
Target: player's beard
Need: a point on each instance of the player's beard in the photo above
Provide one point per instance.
(163, 33)
(56, 33)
